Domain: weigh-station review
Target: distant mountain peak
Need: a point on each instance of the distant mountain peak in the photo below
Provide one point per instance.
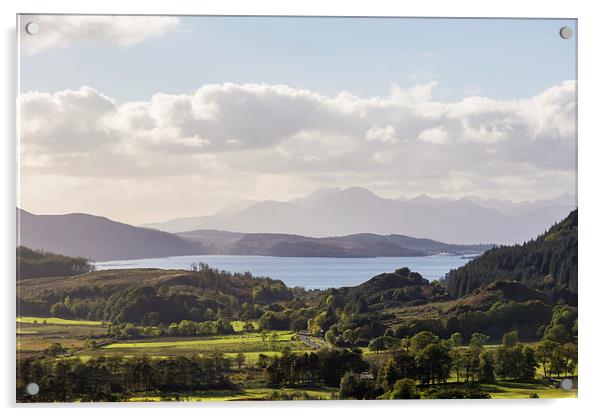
(332, 211)
(358, 191)
(314, 196)
(236, 207)
(424, 199)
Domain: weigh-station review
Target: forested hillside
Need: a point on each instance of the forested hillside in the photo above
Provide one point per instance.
(149, 296)
(37, 263)
(547, 263)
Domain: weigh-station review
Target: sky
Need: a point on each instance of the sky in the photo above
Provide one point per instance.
(145, 119)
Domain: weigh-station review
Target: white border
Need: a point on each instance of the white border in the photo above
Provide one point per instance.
(590, 151)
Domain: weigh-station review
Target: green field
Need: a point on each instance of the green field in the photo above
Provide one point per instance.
(238, 326)
(500, 390)
(38, 333)
(32, 338)
(515, 390)
(210, 340)
(35, 337)
(240, 395)
(54, 321)
(250, 344)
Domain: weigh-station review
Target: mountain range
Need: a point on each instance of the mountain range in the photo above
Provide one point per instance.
(100, 239)
(327, 223)
(337, 212)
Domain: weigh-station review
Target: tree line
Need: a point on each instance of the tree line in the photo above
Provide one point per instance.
(116, 378)
(38, 263)
(427, 360)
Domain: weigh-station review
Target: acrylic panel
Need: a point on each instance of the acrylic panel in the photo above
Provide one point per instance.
(216, 208)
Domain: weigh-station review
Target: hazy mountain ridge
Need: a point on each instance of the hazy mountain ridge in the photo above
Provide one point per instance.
(291, 245)
(517, 208)
(333, 211)
(97, 238)
(100, 238)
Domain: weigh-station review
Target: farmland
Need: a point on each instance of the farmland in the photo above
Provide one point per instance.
(251, 344)
(37, 334)
(247, 352)
(55, 321)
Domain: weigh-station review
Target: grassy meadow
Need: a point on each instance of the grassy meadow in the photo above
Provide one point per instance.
(250, 394)
(38, 333)
(251, 345)
(55, 321)
(35, 334)
(515, 390)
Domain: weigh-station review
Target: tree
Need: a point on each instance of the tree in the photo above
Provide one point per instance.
(478, 340)
(456, 339)
(472, 360)
(262, 360)
(173, 330)
(350, 386)
(504, 362)
(404, 389)
(433, 362)
(383, 343)
(486, 368)
(353, 386)
(557, 333)
(456, 342)
(240, 360)
(402, 365)
(571, 356)
(510, 339)
(422, 339)
(558, 362)
(223, 327)
(544, 354)
(529, 363)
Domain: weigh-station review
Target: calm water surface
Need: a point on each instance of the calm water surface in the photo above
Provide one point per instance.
(309, 272)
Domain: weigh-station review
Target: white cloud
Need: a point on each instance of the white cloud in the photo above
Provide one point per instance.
(229, 136)
(62, 31)
(434, 135)
(383, 134)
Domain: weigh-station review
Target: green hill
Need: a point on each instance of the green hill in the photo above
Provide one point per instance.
(38, 263)
(547, 263)
(147, 295)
